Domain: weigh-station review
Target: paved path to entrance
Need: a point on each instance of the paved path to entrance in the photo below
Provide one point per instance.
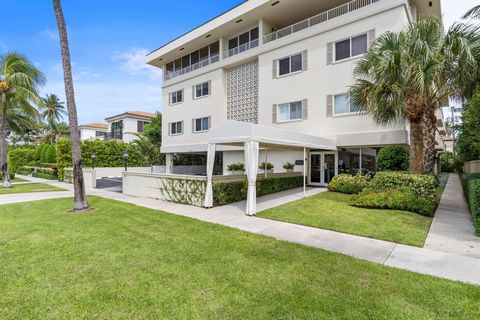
(449, 265)
(452, 229)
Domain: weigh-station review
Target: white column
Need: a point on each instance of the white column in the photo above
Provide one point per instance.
(208, 203)
(304, 172)
(266, 161)
(251, 164)
(169, 163)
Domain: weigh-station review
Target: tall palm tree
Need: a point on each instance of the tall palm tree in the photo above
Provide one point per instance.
(53, 109)
(473, 13)
(80, 197)
(19, 83)
(408, 75)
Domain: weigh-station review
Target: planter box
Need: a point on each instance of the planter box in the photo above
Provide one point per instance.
(236, 173)
(289, 170)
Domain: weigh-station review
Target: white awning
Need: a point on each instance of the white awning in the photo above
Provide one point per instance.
(235, 132)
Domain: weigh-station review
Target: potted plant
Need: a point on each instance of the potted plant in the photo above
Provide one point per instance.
(288, 166)
(266, 166)
(236, 168)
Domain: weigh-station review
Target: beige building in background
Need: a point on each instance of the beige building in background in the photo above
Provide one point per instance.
(285, 65)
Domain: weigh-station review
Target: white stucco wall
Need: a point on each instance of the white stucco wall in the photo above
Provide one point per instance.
(129, 127)
(87, 134)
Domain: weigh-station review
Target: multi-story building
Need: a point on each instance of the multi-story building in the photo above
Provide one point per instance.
(91, 131)
(127, 125)
(280, 68)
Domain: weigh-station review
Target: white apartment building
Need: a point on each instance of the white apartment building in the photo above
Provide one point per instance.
(277, 72)
(127, 125)
(92, 131)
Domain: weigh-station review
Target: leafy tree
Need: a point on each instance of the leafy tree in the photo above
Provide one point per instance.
(468, 142)
(153, 130)
(80, 197)
(447, 162)
(51, 155)
(393, 158)
(150, 141)
(53, 110)
(409, 74)
(473, 13)
(19, 83)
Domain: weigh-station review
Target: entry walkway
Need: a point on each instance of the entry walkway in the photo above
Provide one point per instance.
(452, 229)
(442, 264)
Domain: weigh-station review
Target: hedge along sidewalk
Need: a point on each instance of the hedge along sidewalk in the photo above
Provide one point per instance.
(452, 230)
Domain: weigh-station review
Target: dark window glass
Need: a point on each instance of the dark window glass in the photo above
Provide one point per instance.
(169, 67)
(342, 50)
(140, 126)
(198, 91)
(205, 89)
(195, 56)
(198, 125)
(233, 43)
(186, 61)
(214, 48)
(254, 34)
(296, 63)
(244, 38)
(204, 53)
(284, 66)
(359, 45)
(178, 64)
(179, 96)
(205, 123)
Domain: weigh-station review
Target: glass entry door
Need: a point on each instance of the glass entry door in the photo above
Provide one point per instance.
(323, 167)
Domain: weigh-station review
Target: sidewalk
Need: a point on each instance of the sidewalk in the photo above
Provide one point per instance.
(449, 265)
(452, 229)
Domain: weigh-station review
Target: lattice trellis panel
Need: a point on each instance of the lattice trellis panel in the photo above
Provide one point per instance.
(242, 93)
(184, 191)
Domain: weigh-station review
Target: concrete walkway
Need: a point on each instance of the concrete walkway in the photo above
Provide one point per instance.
(452, 229)
(452, 266)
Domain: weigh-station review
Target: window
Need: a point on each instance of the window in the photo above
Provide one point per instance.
(100, 134)
(176, 128)
(290, 64)
(202, 90)
(201, 124)
(188, 60)
(176, 97)
(289, 111)
(117, 130)
(351, 47)
(141, 126)
(242, 39)
(342, 104)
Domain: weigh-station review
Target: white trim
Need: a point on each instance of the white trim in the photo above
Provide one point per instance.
(351, 57)
(289, 107)
(277, 61)
(170, 94)
(195, 97)
(343, 114)
(195, 125)
(178, 133)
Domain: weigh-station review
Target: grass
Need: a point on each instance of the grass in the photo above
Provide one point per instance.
(126, 262)
(330, 210)
(443, 179)
(29, 188)
(15, 180)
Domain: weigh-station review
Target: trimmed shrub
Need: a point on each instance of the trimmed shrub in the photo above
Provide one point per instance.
(346, 183)
(44, 175)
(18, 158)
(446, 162)
(25, 170)
(236, 167)
(268, 165)
(234, 191)
(288, 166)
(44, 153)
(51, 154)
(398, 199)
(422, 185)
(393, 158)
(471, 187)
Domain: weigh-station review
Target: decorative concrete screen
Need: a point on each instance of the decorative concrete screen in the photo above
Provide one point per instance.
(242, 93)
(173, 188)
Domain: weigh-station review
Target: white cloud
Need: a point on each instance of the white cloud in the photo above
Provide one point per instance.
(49, 34)
(134, 63)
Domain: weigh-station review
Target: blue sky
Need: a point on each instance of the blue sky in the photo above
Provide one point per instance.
(108, 43)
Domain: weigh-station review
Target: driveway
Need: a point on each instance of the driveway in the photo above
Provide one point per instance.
(111, 184)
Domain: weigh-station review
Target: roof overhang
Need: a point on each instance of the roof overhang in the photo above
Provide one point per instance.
(236, 133)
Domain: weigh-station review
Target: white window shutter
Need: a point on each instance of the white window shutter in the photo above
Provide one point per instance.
(305, 60)
(305, 109)
(209, 122)
(371, 38)
(169, 128)
(274, 113)
(183, 126)
(193, 91)
(274, 69)
(193, 125)
(210, 87)
(330, 53)
(330, 105)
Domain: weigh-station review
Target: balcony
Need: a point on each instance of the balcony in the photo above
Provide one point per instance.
(320, 18)
(113, 136)
(242, 48)
(202, 63)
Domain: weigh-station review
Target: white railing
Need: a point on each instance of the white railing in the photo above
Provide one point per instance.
(322, 17)
(202, 63)
(244, 47)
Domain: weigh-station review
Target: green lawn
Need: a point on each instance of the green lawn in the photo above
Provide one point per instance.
(16, 180)
(126, 262)
(29, 188)
(330, 210)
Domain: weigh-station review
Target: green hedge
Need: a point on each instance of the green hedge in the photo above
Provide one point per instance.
(44, 176)
(471, 187)
(229, 192)
(18, 158)
(25, 170)
(108, 154)
(422, 185)
(393, 158)
(346, 183)
(399, 199)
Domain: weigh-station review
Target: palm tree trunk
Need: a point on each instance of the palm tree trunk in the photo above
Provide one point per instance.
(416, 147)
(429, 120)
(80, 198)
(3, 144)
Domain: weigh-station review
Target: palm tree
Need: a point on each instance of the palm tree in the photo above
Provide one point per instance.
(19, 83)
(408, 75)
(53, 110)
(473, 13)
(80, 198)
